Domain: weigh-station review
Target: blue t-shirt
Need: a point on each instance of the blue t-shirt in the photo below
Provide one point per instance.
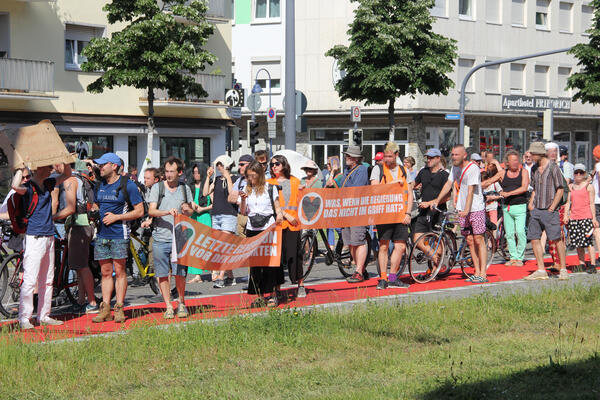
(40, 223)
(108, 201)
(356, 177)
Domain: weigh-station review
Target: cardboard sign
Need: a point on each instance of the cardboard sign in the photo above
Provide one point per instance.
(354, 206)
(335, 163)
(34, 146)
(202, 247)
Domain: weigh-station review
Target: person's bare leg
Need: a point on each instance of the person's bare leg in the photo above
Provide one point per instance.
(360, 256)
(121, 280)
(581, 255)
(106, 268)
(383, 256)
(562, 253)
(474, 255)
(539, 254)
(596, 244)
(165, 290)
(180, 285)
(85, 281)
(591, 254)
(543, 241)
(397, 253)
(482, 250)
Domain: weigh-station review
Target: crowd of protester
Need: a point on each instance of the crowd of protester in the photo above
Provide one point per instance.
(541, 196)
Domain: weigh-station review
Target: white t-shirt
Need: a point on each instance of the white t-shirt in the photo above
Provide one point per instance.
(261, 205)
(494, 187)
(597, 183)
(472, 177)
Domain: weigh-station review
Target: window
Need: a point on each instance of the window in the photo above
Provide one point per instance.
(540, 85)
(132, 151)
(274, 68)
(587, 13)
(439, 8)
(515, 140)
(492, 79)
(565, 17)
(76, 38)
(4, 35)
(563, 75)
(464, 66)
(267, 9)
(96, 145)
(493, 11)
(541, 14)
(516, 78)
(465, 8)
(190, 150)
(489, 140)
(517, 12)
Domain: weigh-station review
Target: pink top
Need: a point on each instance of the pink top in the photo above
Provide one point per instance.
(580, 204)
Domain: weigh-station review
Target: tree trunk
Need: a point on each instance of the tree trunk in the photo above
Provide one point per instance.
(148, 161)
(391, 120)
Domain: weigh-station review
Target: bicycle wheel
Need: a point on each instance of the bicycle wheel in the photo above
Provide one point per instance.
(449, 254)
(503, 247)
(70, 284)
(309, 248)
(344, 258)
(421, 263)
(490, 242)
(10, 270)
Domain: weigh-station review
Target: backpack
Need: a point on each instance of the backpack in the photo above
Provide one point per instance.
(88, 190)
(19, 212)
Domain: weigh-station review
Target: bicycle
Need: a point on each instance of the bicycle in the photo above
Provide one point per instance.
(140, 257)
(422, 266)
(310, 248)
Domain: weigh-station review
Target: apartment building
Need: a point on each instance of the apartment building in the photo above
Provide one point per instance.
(503, 101)
(41, 45)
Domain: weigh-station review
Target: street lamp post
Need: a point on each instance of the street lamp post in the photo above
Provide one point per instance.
(258, 89)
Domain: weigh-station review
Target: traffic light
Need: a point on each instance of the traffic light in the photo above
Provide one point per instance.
(357, 137)
(235, 138)
(252, 134)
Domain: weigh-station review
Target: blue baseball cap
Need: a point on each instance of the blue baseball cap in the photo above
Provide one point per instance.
(108, 158)
(433, 153)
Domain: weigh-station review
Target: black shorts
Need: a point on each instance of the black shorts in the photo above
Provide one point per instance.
(425, 222)
(393, 232)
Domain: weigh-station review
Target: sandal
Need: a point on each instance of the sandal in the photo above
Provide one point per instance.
(273, 302)
(258, 303)
(510, 263)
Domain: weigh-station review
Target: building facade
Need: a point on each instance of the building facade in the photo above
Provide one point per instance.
(503, 101)
(40, 78)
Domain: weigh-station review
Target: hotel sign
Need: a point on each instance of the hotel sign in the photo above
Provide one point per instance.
(530, 103)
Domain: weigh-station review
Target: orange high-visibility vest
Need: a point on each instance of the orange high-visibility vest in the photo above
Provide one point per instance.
(387, 177)
(290, 205)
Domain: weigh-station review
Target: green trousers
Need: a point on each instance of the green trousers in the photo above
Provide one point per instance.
(514, 226)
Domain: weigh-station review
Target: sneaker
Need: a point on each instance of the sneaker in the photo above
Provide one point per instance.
(25, 325)
(398, 284)
(90, 309)
(51, 322)
(169, 314)
(382, 284)
(579, 268)
(471, 279)
(537, 275)
(219, 284)
(230, 282)
(355, 278)
(563, 275)
(591, 269)
(182, 312)
(301, 292)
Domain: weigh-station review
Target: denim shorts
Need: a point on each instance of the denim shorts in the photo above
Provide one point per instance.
(162, 261)
(110, 249)
(223, 222)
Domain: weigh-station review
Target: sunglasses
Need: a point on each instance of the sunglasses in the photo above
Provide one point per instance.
(275, 164)
(243, 164)
(579, 172)
(26, 177)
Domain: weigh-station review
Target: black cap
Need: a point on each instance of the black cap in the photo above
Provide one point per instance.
(246, 158)
(563, 150)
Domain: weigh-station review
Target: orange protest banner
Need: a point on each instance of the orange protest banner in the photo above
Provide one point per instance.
(202, 247)
(353, 206)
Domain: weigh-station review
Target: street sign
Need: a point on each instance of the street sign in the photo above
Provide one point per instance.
(237, 86)
(234, 97)
(355, 114)
(234, 112)
(452, 117)
(301, 103)
(254, 102)
(272, 129)
(271, 115)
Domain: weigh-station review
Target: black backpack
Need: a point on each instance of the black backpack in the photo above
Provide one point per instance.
(88, 190)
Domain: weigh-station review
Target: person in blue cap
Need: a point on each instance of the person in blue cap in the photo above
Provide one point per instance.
(119, 201)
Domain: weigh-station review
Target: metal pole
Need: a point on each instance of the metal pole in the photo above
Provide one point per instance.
(461, 131)
(270, 104)
(290, 76)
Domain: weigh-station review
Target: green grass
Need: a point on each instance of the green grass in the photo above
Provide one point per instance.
(482, 347)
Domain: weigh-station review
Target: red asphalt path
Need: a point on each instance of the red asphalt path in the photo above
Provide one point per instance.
(231, 304)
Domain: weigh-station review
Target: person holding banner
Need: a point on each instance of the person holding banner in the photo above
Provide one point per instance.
(355, 237)
(167, 199)
(259, 201)
(392, 173)
(470, 206)
(291, 233)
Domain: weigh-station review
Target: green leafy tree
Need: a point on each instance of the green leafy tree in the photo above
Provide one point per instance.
(393, 52)
(587, 82)
(159, 48)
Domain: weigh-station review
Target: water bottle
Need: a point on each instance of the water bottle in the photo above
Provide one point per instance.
(142, 256)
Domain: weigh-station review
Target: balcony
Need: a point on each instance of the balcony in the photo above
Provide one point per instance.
(26, 79)
(217, 12)
(214, 85)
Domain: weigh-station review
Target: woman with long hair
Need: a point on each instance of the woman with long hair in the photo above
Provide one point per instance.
(201, 206)
(289, 185)
(260, 203)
